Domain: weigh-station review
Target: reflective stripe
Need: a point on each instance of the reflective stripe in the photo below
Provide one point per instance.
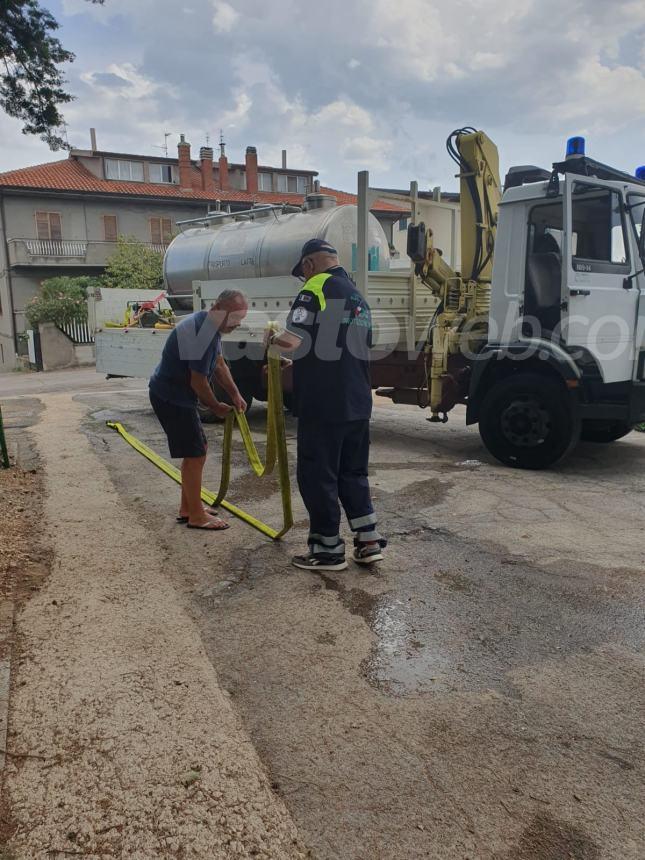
(327, 541)
(359, 522)
(318, 548)
(315, 285)
(368, 537)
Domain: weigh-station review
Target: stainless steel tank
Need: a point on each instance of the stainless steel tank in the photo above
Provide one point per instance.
(268, 244)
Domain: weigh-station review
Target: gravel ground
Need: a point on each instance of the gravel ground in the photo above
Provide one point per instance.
(122, 743)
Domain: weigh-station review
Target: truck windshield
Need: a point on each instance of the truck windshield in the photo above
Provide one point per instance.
(636, 211)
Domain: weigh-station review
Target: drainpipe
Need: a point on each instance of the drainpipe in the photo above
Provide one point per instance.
(10, 309)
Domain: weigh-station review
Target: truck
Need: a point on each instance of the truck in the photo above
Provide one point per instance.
(540, 332)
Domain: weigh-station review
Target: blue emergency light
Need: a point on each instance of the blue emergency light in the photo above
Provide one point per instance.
(575, 146)
(640, 173)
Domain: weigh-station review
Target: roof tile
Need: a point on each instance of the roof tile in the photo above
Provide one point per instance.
(70, 175)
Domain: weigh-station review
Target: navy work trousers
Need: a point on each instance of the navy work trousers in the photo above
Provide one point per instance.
(332, 468)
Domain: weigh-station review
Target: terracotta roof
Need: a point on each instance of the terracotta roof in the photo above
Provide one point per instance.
(71, 176)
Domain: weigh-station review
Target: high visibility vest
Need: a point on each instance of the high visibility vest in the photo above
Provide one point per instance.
(315, 285)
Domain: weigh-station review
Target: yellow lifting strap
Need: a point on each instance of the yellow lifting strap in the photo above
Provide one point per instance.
(315, 285)
(276, 452)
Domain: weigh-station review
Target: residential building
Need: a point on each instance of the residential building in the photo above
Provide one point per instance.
(63, 218)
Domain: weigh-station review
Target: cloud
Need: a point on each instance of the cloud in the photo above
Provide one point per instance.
(224, 17)
(380, 86)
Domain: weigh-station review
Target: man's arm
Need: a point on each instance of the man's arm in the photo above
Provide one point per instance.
(201, 386)
(223, 378)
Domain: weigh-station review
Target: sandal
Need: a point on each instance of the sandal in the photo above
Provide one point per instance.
(215, 525)
(183, 520)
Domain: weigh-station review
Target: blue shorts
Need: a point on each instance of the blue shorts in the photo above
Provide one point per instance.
(182, 426)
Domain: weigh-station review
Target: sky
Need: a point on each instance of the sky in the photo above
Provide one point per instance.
(349, 85)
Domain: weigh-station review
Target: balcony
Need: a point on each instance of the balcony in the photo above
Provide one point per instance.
(64, 253)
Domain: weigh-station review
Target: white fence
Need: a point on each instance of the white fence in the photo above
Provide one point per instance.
(52, 248)
(78, 332)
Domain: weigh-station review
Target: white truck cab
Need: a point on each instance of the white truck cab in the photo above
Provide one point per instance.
(565, 356)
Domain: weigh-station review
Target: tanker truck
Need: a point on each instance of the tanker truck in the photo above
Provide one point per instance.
(540, 332)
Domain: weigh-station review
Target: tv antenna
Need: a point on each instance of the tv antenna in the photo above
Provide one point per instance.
(164, 146)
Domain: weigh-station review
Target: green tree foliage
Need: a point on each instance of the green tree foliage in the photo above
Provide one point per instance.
(61, 300)
(32, 86)
(133, 266)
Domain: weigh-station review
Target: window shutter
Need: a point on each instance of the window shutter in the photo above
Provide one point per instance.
(55, 230)
(42, 225)
(155, 231)
(110, 228)
(167, 230)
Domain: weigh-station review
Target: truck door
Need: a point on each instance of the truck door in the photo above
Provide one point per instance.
(636, 204)
(599, 313)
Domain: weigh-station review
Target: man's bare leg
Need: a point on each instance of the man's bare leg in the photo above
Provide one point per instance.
(191, 485)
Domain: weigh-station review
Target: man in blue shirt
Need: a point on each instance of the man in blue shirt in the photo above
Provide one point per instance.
(329, 329)
(191, 356)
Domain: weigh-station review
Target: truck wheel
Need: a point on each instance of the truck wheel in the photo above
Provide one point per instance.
(604, 431)
(528, 421)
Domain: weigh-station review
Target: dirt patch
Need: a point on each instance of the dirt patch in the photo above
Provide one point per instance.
(546, 839)
(24, 566)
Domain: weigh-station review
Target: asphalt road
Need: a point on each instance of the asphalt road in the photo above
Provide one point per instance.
(479, 695)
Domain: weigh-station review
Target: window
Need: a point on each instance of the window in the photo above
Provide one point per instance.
(292, 184)
(160, 231)
(597, 221)
(110, 231)
(48, 226)
(302, 184)
(282, 183)
(265, 182)
(403, 224)
(161, 173)
(129, 170)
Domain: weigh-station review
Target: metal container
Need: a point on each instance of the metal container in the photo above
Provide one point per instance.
(267, 244)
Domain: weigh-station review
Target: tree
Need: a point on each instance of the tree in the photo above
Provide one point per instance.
(31, 81)
(133, 266)
(61, 300)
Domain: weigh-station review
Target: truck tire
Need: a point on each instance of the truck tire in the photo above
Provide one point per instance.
(604, 431)
(529, 421)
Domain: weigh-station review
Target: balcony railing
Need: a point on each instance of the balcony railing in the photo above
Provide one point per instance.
(55, 248)
(67, 252)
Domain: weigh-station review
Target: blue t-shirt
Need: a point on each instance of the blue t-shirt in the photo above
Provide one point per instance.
(194, 344)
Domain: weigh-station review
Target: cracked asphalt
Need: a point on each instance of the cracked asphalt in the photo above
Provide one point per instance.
(480, 694)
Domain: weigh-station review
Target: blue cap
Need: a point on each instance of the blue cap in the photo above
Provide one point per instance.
(311, 247)
(640, 173)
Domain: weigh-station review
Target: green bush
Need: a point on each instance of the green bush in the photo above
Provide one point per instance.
(133, 266)
(61, 300)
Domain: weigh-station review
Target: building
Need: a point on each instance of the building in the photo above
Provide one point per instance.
(64, 217)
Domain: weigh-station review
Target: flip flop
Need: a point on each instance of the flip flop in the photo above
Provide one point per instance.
(184, 520)
(211, 527)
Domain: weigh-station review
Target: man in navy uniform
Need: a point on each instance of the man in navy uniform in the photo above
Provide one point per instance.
(329, 331)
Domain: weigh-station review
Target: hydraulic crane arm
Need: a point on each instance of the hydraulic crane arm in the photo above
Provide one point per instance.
(464, 296)
(478, 162)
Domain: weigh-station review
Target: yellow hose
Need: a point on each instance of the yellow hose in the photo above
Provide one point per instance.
(276, 452)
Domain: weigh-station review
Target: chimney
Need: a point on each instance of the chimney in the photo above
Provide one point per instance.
(284, 159)
(93, 146)
(206, 168)
(223, 164)
(251, 169)
(185, 168)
